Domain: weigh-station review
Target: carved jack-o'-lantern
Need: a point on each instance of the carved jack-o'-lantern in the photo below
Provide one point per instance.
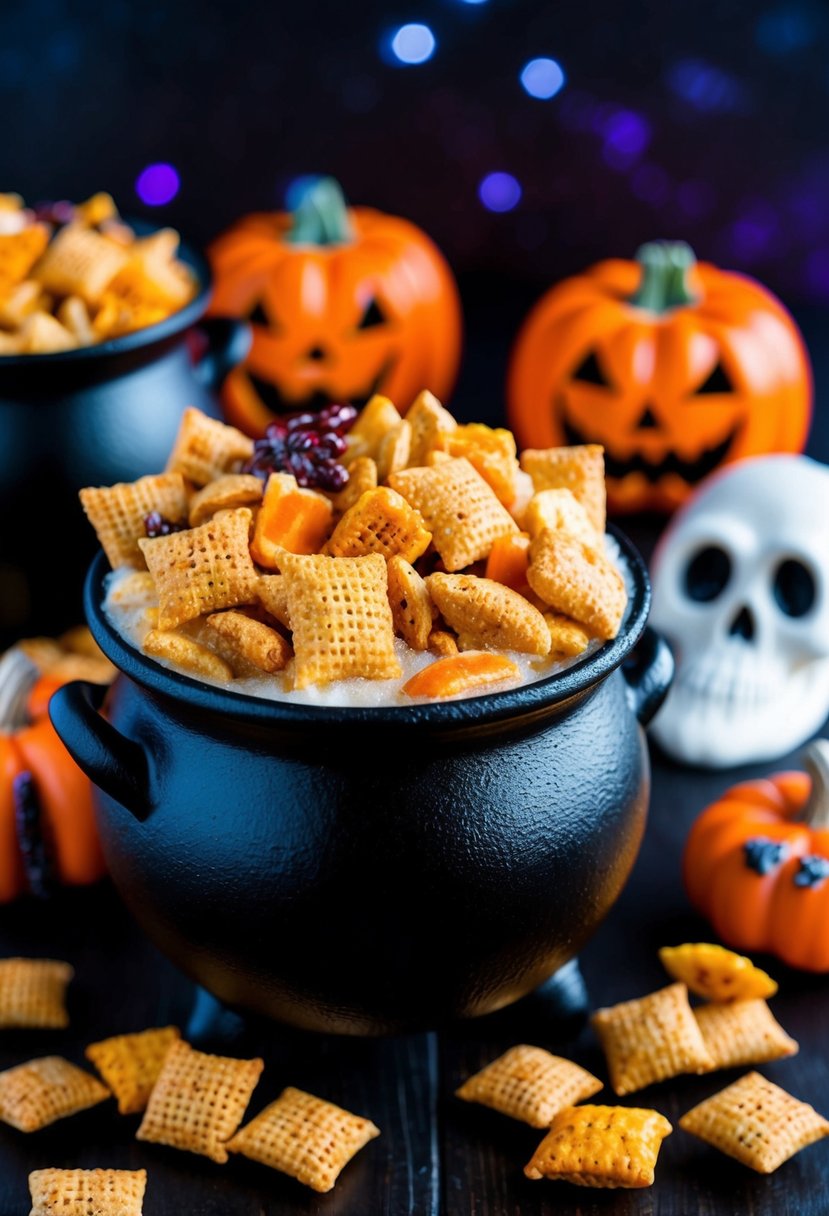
(674, 366)
(343, 302)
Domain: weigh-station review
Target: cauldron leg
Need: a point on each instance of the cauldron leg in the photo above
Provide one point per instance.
(211, 1023)
(563, 998)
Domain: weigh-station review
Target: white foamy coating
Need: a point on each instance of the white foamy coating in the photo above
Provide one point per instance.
(128, 616)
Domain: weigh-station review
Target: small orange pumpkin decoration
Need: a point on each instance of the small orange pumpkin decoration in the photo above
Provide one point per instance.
(47, 824)
(343, 302)
(674, 366)
(756, 864)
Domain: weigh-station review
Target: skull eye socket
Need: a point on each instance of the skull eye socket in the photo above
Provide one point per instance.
(589, 371)
(794, 588)
(707, 574)
(373, 315)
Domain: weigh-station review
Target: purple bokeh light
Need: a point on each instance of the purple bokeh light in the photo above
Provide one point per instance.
(651, 184)
(542, 78)
(817, 273)
(696, 198)
(157, 184)
(754, 231)
(706, 87)
(499, 192)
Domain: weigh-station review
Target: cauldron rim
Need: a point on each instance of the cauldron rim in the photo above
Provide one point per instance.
(176, 323)
(526, 700)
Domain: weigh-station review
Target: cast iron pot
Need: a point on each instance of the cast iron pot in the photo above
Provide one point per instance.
(370, 870)
(91, 417)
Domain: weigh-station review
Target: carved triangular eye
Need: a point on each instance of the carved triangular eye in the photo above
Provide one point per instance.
(258, 316)
(717, 382)
(372, 316)
(589, 372)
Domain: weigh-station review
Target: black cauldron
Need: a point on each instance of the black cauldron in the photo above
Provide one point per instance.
(370, 870)
(89, 417)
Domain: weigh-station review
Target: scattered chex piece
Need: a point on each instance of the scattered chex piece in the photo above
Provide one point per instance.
(375, 420)
(362, 476)
(130, 1064)
(272, 594)
(202, 569)
(578, 469)
(716, 973)
(198, 1101)
(58, 1192)
(381, 521)
(430, 422)
(33, 993)
(530, 1084)
(411, 605)
(251, 641)
(578, 580)
(205, 449)
(651, 1039)
(490, 450)
(601, 1146)
(559, 510)
(35, 1094)
(460, 509)
(394, 450)
(484, 614)
(341, 619)
(756, 1122)
(117, 513)
(80, 262)
(224, 494)
(305, 1137)
(743, 1032)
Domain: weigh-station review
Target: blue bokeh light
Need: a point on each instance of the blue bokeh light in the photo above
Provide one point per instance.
(790, 27)
(543, 78)
(499, 192)
(413, 43)
(706, 87)
(157, 184)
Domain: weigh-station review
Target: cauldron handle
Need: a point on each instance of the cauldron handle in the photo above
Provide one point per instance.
(119, 766)
(648, 672)
(228, 343)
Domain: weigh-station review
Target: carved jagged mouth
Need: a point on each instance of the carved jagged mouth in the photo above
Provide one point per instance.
(312, 403)
(654, 470)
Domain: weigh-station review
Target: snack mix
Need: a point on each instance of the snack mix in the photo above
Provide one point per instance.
(362, 559)
(75, 274)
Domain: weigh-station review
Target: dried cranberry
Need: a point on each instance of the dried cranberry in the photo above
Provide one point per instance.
(55, 212)
(307, 445)
(156, 524)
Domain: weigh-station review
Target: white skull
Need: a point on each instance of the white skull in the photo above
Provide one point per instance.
(741, 590)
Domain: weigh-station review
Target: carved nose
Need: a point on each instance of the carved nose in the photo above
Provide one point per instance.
(742, 626)
(648, 421)
(316, 354)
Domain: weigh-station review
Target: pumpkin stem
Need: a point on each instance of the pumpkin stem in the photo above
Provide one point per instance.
(664, 283)
(815, 813)
(18, 676)
(321, 215)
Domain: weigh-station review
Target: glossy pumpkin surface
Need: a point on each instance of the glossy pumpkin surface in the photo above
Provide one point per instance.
(675, 367)
(343, 302)
(756, 864)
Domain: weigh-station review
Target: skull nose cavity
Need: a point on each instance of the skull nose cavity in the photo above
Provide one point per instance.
(316, 354)
(742, 626)
(648, 421)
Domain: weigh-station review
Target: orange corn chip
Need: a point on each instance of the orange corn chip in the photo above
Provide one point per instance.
(530, 1084)
(57, 1192)
(117, 316)
(375, 419)
(580, 469)
(651, 1039)
(757, 1123)
(96, 210)
(508, 561)
(411, 604)
(458, 507)
(36, 1094)
(462, 673)
(117, 513)
(601, 1146)
(42, 334)
(252, 641)
(198, 1101)
(80, 262)
(18, 301)
(186, 653)
(558, 510)
(33, 993)
(291, 518)
(74, 316)
(205, 449)
(224, 494)
(381, 521)
(20, 250)
(484, 613)
(715, 973)
(203, 569)
(579, 581)
(743, 1032)
(305, 1137)
(130, 1064)
(567, 639)
(394, 449)
(340, 617)
(489, 450)
(429, 422)
(362, 476)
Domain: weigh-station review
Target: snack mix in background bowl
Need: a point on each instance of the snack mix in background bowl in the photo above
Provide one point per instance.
(365, 560)
(76, 274)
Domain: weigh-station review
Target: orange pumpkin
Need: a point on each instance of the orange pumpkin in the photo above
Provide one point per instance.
(756, 864)
(343, 302)
(47, 824)
(674, 366)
